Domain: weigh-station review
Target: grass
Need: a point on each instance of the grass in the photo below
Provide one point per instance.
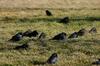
(78, 52)
(58, 4)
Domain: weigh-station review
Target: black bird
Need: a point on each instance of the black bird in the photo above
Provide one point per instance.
(74, 35)
(48, 13)
(30, 33)
(24, 46)
(17, 37)
(34, 33)
(96, 62)
(60, 36)
(93, 30)
(64, 20)
(52, 59)
(26, 33)
(81, 32)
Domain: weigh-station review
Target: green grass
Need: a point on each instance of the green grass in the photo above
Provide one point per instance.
(78, 52)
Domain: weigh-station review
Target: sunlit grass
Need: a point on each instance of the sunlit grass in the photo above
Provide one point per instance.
(78, 52)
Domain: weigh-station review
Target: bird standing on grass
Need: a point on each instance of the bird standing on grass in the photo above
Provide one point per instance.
(42, 38)
(64, 20)
(93, 30)
(97, 62)
(30, 33)
(52, 59)
(60, 36)
(73, 35)
(26, 33)
(48, 13)
(17, 37)
(82, 32)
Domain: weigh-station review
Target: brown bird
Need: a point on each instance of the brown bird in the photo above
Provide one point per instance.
(48, 13)
(93, 30)
(60, 36)
(82, 32)
(64, 20)
(42, 36)
(42, 39)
